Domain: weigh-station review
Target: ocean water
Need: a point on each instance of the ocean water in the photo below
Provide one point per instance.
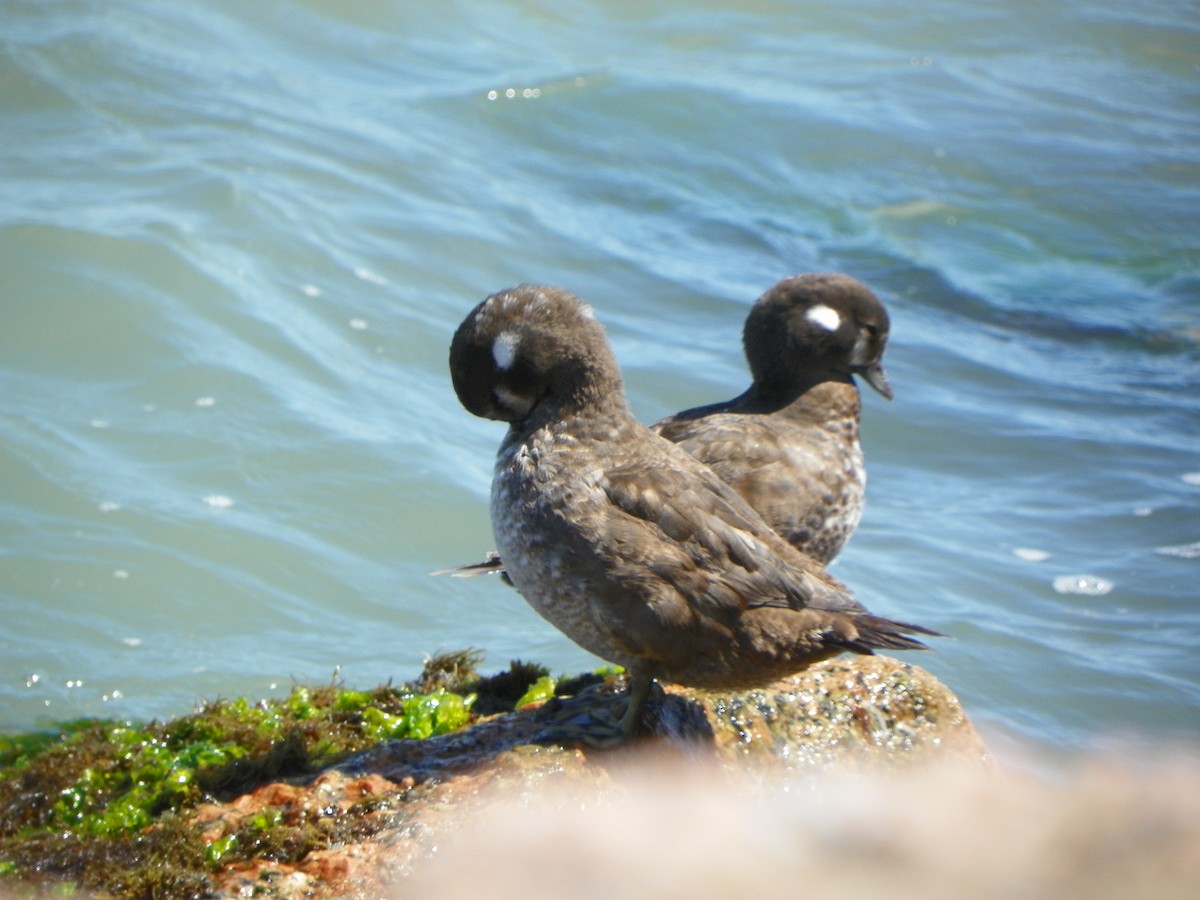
(235, 240)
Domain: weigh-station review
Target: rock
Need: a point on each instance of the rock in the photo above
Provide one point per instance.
(853, 713)
(870, 710)
(842, 711)
(1103, 829)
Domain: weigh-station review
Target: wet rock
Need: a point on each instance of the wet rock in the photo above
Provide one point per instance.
(850, 713)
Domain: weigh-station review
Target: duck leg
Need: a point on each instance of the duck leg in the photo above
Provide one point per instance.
(597, 719)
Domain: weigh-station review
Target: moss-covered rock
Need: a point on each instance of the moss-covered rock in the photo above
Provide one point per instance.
(331, 789)
(110, 804)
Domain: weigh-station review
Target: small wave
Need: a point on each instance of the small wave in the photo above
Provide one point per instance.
(1182, 551)
(1089, 585)
(1030, 554)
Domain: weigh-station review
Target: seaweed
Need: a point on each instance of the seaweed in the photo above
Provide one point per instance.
(114, 806)
(105, 803)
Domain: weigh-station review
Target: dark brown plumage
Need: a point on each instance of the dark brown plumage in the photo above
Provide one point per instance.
(631, 547)
(789, 444)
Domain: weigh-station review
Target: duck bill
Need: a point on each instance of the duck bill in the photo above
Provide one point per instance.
(877, 378)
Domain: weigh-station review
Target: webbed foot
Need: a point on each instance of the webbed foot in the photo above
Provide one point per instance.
(596, 717)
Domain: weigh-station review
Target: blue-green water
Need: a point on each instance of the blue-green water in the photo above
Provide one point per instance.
(235, 239)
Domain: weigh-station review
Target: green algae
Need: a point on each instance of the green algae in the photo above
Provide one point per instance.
(115, 778)
(538, 692)
(109, 805)
(105, 804)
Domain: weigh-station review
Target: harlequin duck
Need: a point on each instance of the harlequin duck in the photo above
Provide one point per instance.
(630, 546)
(789, 444)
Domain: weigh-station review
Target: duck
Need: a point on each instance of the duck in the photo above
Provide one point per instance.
(626, 543)
(789, 444)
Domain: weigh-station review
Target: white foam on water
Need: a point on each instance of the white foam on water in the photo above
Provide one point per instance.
(1088, 585)
(1029, 554)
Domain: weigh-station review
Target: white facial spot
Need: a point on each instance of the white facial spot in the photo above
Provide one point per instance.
(504, 350)
(824, 316)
